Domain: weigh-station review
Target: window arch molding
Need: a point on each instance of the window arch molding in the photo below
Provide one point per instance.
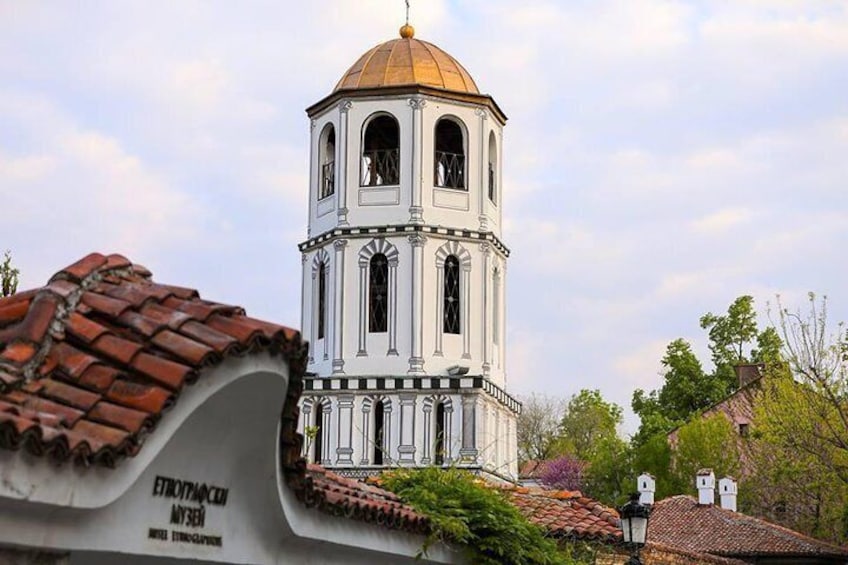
(379, 150)
(463, 256)
(327, 161)
(437, 434)
(369, 430)
(377, 246)
(450, 152)
(320, 268)
(322, 407)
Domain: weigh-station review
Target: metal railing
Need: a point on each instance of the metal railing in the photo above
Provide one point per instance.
(449, 170)
(380, 167)
(328, 179)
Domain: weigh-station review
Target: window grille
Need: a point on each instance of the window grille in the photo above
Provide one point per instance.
(328, 179)
(439, 446)
(451, 306)
(379, 426)
(491, 182)
(378, 294)
(450, 170)
(380, 167)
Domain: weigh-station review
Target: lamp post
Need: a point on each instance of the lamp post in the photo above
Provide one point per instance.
(634, 526)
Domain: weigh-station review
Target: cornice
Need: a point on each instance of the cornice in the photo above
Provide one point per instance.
(404, 229)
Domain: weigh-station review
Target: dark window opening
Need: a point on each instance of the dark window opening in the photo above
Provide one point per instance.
(378, 287)
(328, 162)
(439, 445)
(449, 159)
(451, 306)
(319, 439)
(744, 430)
(493, 165)
(381, 152)
(379, 418)
(322, 299)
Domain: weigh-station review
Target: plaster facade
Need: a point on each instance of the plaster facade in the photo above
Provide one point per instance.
(418, 225)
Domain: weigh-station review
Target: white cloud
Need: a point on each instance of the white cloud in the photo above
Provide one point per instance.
(722, 221)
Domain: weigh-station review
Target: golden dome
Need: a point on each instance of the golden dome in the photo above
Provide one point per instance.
(407, 61)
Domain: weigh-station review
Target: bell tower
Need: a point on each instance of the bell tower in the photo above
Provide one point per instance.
(404, 269)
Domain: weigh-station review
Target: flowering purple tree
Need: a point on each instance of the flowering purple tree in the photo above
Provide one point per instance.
(565, 473)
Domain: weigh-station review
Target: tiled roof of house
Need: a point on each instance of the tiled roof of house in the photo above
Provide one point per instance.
(91, 361)
(348, 497)
(567, 514)
(679, 521)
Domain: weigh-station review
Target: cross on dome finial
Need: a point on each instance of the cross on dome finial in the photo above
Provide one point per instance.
(407, 31)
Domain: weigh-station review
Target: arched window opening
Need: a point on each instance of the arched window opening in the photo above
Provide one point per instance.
(451, 306)
(439, 445)
(378, 294)
(319, 433)
(322, 299)
(327, 160)
(381, 152)
(493, 167)
(379, 427)
(449, 159)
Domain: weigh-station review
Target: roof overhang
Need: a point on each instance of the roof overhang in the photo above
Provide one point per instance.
(413, 90)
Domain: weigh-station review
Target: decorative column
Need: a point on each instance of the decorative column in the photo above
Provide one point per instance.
(448, 441)
(428, 413)
(326, 421)
(468, 451)
(342, 161)
(416, 210)
(488, 330)
(366, 434)
(314, 181)
(393, 265)
(338, 311)
(406, 449)
(484, 176)
(416, 360)
(344, 451)
(465, 322)
(363, 306)
(313, 309)
(305, 418)
(502, 323)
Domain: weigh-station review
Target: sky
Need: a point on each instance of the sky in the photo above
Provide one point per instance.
(661, 157)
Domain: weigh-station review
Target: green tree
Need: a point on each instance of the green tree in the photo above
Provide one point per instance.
(587, 421)
(654, 456)
(8, 276)
(709, 442)
(609, 476)
(686, 389)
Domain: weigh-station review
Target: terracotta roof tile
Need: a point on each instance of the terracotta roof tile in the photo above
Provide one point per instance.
(89, 362)
(567, 514)
(680, 521)
(341, 496)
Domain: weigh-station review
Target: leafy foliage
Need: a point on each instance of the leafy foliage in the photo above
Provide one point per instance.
(463, 510)
(588, 420)
(704, 442)
(687, 389)
(8, 276)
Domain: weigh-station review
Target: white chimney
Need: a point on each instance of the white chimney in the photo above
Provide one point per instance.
(647, 486)
(727, 489)
(705, 481)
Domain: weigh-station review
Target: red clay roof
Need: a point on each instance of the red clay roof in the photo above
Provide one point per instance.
(89, 363)
(355, 499)
(680, 521)
(567, 514)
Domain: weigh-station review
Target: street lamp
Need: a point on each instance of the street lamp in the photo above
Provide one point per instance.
(634, 526)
